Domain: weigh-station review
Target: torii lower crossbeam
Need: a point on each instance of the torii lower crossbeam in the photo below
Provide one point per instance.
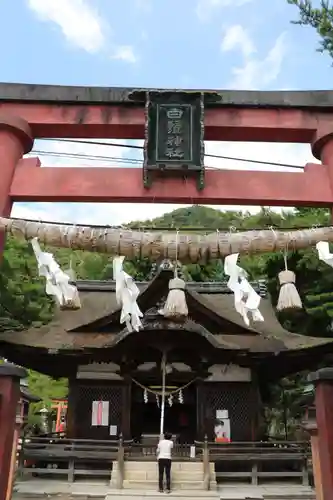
(124, 185)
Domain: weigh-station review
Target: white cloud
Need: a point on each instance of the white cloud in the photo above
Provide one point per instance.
(79, 22)
(236, 37)
(205, 8)
(125, 53)
(255, 73)
(82, 26)
(144, 5)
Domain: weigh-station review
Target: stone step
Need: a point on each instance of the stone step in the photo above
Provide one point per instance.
(144, 476)
(150, 485)
(176, 475)
(56, 496)
(291, 496)
(154, 495)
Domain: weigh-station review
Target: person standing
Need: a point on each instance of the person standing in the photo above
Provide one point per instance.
(164, 450)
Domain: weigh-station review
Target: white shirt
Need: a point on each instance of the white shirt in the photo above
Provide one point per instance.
(164, 449)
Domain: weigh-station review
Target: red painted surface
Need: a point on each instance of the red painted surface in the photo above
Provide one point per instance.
(33, 183)
(322, 148)
(9, 397)
(15, 140)
(127, 122)
(324, 413)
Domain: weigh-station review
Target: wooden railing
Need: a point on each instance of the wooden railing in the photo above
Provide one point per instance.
(70, 457)
(83, 457)
(289, 459)
(144, 451)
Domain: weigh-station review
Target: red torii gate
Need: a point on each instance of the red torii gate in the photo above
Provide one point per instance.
(28, 112)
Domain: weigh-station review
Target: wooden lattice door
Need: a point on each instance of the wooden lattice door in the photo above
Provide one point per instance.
(87, 393)
(236, 397)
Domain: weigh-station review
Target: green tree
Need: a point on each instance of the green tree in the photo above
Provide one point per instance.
(46, 388)
(23, 300)
(320, 18)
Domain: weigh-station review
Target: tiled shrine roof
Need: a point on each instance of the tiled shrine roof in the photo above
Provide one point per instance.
(211, 313)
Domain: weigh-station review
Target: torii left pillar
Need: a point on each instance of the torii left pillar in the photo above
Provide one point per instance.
(15, 140)
(10, 376)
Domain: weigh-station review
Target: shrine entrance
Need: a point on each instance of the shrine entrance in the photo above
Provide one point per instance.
(180, 414)
(174, 125)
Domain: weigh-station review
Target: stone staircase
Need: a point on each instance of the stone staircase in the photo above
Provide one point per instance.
(144, 476)
(236, 494)
(40, 489)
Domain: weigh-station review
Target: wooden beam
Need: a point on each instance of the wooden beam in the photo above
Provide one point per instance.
(127, 122)
(125, 185)
(305, 99)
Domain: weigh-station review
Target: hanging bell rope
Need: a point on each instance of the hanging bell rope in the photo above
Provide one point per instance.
(288, 297)
(157, 245)
(175, 306)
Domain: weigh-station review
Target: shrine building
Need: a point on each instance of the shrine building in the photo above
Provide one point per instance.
(217, 367)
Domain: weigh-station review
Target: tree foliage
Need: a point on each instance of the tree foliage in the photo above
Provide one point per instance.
(24, 302)
(320, 18)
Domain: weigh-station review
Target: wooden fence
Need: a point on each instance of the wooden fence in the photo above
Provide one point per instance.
(70, 457)
(269, 460)
(252, 461)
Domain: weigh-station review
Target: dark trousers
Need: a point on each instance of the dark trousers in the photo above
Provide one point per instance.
(164, 464)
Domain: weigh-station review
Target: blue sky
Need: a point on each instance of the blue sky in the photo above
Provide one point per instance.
(235, 44)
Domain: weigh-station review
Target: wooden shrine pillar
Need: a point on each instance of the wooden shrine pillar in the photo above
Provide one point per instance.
(201, 427)
(323, 380)
(72, 410)
(311, 427)
(10, 394)
(15, 141)
(126, 408)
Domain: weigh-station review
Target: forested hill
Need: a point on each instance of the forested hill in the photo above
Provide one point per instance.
(208, 218)
(24, 303)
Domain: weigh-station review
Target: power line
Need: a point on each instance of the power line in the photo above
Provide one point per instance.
(133, 146)
(98, 143)
(87, 157)
(131, 161)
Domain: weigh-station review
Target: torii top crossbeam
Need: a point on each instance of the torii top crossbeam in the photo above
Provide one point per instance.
(28, 112)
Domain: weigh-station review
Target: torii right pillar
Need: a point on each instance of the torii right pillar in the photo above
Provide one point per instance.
(323, 380)
(322, 149)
